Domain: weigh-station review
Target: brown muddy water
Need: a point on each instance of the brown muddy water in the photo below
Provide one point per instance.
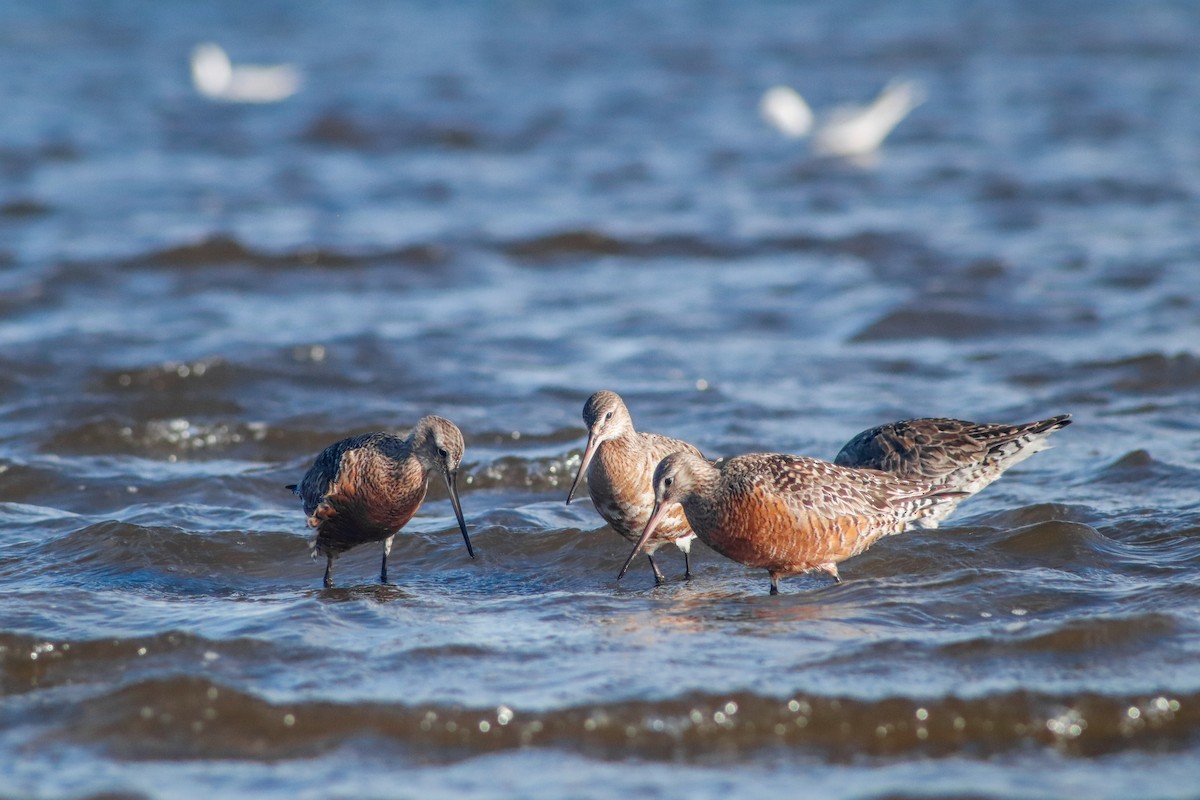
(490, 210)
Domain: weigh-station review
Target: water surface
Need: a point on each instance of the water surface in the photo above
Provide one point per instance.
(491, 211)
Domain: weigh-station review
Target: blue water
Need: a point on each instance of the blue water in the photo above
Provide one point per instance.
(489, 211)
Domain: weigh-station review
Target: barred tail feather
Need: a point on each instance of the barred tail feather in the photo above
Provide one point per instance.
(933, 508)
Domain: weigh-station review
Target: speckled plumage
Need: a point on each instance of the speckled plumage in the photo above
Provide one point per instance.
(367, 487)
(788, 514)
(619, 462)
(966, 456)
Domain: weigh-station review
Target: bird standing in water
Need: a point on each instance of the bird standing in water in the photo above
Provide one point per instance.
(367, 487)
(966, 456)
(787, 514)
(619, 462)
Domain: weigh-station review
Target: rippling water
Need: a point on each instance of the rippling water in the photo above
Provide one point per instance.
(492, 210)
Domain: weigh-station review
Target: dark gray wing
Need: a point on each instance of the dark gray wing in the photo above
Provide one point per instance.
(935, 449)
(325, 468)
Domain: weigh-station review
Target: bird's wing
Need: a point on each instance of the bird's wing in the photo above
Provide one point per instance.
(935, 449)
(919, 449)
(325, 471)
(814, 487)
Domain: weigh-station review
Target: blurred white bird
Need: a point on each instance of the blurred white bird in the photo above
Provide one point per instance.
(845, 131)
(217, 78)
(783, 107)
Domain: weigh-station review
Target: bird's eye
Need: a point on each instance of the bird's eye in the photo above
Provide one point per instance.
(668, 481)
(442, 452)
(608, 416)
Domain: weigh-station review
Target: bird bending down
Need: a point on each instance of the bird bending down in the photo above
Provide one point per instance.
(619, 462)
(367, 487)
(966, 456)
(787, 514)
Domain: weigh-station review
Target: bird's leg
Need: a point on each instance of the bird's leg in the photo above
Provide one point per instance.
(774, 583)
(328, 571)
(687, 566)
(658, 576)
(387, 549)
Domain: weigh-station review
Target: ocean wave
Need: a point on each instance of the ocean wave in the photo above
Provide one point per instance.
(333, 129)
(1149, 373)
(928, 318)
(118, 554)
(293, 448)
(1086, 192)
(1152, 375)
(1139, 467)
(884, 251)
(219, 249)
(890, 255)
(1093, 636)
(189, 718)
(156, 437)
(32, 663)
(534, 474)
(24, 207)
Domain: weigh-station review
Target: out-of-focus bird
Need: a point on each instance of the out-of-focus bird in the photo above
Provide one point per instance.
(845, 131)
(217, 78)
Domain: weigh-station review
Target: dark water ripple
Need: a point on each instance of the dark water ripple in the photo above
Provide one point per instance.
(192, 718)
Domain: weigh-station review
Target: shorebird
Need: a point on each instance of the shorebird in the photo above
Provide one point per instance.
(845, 131)
(367, 487)
(954, 453)
(787, 514)
(619, 462)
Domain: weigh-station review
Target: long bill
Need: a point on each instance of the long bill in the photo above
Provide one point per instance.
(588, 452)
(660, 510)
(452, 485)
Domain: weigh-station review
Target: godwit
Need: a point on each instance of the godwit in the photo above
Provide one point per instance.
(365, 488)
(620, 463)
(787, 514)
(960, 455)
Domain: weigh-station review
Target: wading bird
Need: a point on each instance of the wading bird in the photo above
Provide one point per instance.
(619, 462)
(367, 487)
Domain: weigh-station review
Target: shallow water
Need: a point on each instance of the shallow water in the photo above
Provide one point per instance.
(489, 212)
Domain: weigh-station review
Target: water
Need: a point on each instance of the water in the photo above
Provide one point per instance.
(492, 210)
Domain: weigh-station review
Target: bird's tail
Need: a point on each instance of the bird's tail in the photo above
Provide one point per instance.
(1015, 444)
(929, 510)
